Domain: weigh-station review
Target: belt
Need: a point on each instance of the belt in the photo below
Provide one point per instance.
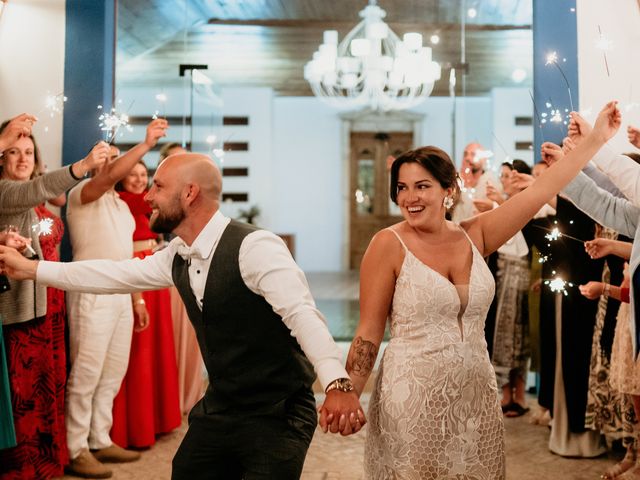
(141, 245)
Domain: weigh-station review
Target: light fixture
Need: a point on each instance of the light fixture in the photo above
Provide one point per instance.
(372, 67)
(472, 12)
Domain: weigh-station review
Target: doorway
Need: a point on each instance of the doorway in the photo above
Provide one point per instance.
(370, 208)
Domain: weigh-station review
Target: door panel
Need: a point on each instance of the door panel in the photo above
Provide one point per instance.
(370, 206)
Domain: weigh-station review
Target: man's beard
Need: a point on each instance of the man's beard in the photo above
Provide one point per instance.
(167, 222)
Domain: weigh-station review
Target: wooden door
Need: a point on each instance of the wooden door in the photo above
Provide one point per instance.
(370, 206)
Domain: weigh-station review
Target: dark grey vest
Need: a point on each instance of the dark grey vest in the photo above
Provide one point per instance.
(250, 355)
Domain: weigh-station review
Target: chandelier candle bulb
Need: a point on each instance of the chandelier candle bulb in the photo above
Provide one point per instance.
(377, 30)
(330, 37)
(360, 47)
(412, 40)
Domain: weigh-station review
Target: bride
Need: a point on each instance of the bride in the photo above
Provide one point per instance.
(435, 411)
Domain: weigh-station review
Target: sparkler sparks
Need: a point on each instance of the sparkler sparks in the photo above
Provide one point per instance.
(558, 285)
(54, 103)
(43, 227)
(555, 233)
(552, 59)
(111, 122)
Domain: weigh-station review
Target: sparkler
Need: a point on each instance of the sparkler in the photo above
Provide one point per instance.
(54, 104)
(555, 233)
(552, 59)
(506, 154)
(537, 114)
(111, 122)
(604, 44)
(558, 285)
(161, 98)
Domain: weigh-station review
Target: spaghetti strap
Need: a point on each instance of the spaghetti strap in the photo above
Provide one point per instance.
(399, 239)
(473, 245)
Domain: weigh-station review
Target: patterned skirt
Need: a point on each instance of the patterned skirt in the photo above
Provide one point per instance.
(511, 350)
(7, 431)
(609, 410)
(36, 361)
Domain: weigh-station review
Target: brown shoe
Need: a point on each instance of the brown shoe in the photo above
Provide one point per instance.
(85, 465)
(116, 454)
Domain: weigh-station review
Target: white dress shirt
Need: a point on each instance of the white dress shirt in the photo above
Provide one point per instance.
(266, 266)
(623, 171)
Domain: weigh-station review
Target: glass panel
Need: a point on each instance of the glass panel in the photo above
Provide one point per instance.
(365, 192)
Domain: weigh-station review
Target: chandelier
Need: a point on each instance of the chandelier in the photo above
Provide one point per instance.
(372, 67)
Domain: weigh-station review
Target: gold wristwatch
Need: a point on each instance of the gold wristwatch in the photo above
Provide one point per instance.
(342, 384)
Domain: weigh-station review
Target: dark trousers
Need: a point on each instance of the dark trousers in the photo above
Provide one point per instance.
(270, 443)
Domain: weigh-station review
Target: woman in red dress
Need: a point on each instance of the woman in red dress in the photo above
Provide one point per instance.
(148, 401)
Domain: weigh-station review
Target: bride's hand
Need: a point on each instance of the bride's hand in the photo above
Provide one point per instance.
(608, 122)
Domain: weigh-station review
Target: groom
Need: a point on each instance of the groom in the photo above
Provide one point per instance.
(258, 329)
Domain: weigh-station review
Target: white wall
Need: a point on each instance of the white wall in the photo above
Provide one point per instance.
(472, 120)
(618, 21)
(507, 104)
(32, 36)
(307, 180)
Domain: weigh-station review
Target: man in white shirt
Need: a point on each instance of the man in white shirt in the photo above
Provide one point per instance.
(259, 331)
(100, 326)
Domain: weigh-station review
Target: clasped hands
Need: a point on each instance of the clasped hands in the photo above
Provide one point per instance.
(341, 413)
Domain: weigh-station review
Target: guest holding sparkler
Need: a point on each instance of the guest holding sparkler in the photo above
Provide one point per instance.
(624, 373)
(567, 325)
(101, 326)
(32, 315)
(475, 177)
(148, 401)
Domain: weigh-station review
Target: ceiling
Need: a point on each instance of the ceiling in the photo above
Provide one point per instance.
(268, 42)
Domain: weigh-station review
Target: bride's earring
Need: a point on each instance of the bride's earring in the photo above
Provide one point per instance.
(447, 202)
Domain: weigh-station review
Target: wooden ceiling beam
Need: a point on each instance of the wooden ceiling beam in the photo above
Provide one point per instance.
(347, 25)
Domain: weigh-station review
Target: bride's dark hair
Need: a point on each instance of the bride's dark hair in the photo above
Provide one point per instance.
(432, 159)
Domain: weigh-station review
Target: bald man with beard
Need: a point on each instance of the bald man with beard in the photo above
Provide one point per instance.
(258, 328)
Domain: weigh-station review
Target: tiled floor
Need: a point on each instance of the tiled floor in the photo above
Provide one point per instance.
(332, 457)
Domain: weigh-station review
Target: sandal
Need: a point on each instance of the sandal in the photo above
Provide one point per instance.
(515, 410)
(625, 465)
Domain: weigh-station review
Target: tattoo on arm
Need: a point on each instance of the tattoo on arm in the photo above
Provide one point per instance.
(362, 357)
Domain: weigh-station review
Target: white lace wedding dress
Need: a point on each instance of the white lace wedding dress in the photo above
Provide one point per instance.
(435, 412)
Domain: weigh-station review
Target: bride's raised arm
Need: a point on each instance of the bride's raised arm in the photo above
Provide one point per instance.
(497, 226)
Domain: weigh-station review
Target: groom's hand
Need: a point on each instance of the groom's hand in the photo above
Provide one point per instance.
(341, 412)
(14, 265)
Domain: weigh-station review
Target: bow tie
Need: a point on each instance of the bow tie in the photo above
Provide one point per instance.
(187, 253)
